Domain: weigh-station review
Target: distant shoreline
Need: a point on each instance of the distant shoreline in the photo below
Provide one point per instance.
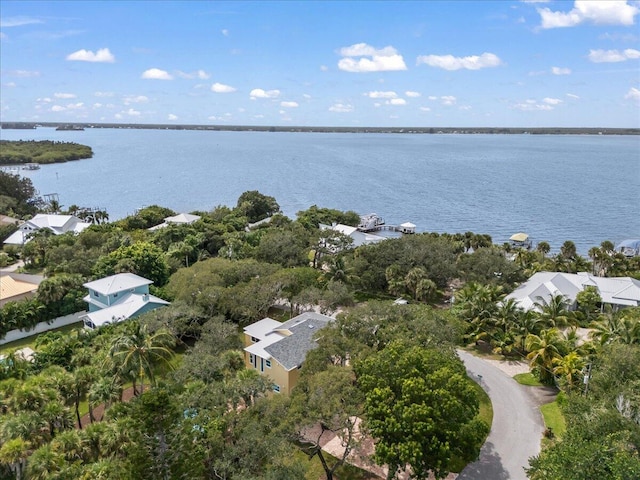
(404, 130)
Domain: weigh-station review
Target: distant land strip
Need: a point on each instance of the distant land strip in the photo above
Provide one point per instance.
(258, 128)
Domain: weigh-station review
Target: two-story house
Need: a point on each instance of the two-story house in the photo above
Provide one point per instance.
(278, 350)
(57, 224)
(117, 298)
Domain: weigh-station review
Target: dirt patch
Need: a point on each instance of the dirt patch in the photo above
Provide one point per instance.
(98, 412)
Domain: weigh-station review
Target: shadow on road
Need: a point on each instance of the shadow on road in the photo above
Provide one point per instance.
(489, 466)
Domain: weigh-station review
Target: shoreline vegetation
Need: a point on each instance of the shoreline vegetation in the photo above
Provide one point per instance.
(21, 152)
(337, 129)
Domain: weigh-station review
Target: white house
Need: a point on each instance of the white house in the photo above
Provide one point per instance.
(617, 291)
(58, 224)
(358, 237)
(180, 219)
(117, 298)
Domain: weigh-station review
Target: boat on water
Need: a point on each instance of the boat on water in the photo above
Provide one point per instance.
(72, 128)
(31, 166)
(370, 222)
(520, 240)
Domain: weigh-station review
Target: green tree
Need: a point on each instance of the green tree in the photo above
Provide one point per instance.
(544, 350)
(142, 258)
(256, 206)
(421, 408)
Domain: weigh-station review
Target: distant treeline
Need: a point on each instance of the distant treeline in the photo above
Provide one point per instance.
(43, 151)
(415, 130)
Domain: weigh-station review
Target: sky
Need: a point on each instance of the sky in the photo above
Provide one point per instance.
(345, 63)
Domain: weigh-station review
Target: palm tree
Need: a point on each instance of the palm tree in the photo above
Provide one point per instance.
(104, 391)
(136, 352)
(44, 463)
(569, 368)
(544, 248)
(543, 349)
(14, 453)
(555, 311)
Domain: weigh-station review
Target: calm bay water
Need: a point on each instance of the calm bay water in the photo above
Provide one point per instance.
(556, 188)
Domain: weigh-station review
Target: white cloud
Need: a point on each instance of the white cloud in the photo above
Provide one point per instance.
(324, 68)
(222, 88)
(289, 104)
(97, 105)
(412, 94)
(64, 95)
(552, 101)
(58, 108)
(260, 93)
(103, 55)
(571, 95)
(560, 71)
(306, 95)
(133, 113)
(341, 108)
(44, 100)
(449, 62)
(532, 106)
(599, 12)
(129, 99)
(225, 32)
(396, 101)
(633, 94)
(370, 59)
(448, 100)
(612, 56)
(432, 97)
(465, 107)
(104, 94)
(23, 73)
(425, 109)
(376, 94)
(156, 74)
(172, 117)
(18, 21)
(200, 74)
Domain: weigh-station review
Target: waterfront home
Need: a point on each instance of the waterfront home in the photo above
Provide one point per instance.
(359, 238)
(277, 350)
(619, 292)
(117, 298)
(57, 224)
(629, 248)
(18, 286)
(180, 219)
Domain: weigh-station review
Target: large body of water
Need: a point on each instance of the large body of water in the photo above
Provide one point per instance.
(556, 188)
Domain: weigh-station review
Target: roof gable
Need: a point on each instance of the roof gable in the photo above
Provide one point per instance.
(117, 283)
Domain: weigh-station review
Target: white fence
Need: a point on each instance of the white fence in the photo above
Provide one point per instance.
(14, 335)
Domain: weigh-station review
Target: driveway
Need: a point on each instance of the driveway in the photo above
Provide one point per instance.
(517, 426)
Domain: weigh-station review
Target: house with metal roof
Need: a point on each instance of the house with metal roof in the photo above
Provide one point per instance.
(57, 224)
(18, 286)
(359, 237)
(619, 292)
(117, 298)
(278, 350)
(180, 219)
(629, 248)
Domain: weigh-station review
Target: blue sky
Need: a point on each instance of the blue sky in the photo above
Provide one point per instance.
(364, 63)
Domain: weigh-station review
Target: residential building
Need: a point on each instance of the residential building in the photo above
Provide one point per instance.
(117, 298)
(278, 350)
(58, 224)
(359, 238)
(180, 219)
(619, 292)
(17, 286)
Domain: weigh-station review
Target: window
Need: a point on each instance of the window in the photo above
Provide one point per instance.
(251, 359)
(276, 388)
(96, 294)
(268, 363)
(254, 339)
(115, 295)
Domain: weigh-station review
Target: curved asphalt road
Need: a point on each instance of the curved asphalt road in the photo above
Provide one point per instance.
(517, 426)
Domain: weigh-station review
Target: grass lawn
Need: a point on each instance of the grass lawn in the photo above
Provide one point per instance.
(30, 341)
(553, 419)
(528, 379)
